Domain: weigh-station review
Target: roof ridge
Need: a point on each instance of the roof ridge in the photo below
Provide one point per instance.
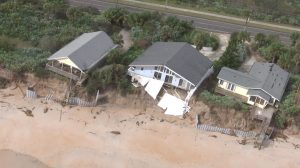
(179, 49)
(87, 41)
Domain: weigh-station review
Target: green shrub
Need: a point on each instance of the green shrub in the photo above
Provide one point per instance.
(6, 45)
(109, 76)
(235, 53)
(3, 83)
(287, 108)
(115, 16)
(222, 101)
(46, 19)
(204, 39)
(24, 60)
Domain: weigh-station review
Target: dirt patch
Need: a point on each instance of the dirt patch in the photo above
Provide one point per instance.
(126, 39)
(3, 83)
(225, 118)
(215, 55)
(43, 87)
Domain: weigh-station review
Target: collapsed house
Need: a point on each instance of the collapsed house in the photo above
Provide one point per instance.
(263, 85)
(78, 57)
(175, 64)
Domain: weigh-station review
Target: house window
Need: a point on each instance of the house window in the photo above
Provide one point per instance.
(271, 100)
(155, 67)
(257, 100)
(188, 86)
(262, 101)
(231, 86)
(221, 82)
(157, 75)
(167, 71)
(142, 68)
(252, 98)
(161, 69)
(180, 82)
(168, 79)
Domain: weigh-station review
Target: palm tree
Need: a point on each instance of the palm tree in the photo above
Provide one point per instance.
(244, 36)
(296, 57)
(294, 37)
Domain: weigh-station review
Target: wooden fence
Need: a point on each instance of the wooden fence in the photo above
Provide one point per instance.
(6, 74)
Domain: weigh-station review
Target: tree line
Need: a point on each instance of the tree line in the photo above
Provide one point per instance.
(279, 11)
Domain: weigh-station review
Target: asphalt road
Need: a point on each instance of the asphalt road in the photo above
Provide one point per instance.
(210, 25)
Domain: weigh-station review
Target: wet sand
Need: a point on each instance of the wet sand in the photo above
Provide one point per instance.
(11, 159)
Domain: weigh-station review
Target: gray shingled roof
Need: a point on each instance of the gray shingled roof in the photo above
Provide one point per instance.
(260, 93)
(180, 57)
(240, 78)
(268, 77)
(86, 50)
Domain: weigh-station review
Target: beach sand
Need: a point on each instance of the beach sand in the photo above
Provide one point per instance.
(78, 137)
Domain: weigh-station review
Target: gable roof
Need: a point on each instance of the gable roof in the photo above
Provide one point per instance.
(268, 77)
(260, 93)
(180, 57)
(86, 50)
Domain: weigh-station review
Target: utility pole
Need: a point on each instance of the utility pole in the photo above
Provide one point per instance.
(247, 20)
(166, 3)
(117, 2)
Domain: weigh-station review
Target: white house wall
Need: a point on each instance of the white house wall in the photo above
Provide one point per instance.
(192, 91)
(238, 89)
(148, 71)
(67, 61)
(243, 91)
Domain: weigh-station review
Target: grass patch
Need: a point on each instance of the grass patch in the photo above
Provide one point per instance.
(210, 16)
(222, 101)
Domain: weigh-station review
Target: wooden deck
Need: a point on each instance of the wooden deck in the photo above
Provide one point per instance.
(229, 93)
(62, 72)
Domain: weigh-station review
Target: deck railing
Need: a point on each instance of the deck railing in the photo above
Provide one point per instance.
(62, 72)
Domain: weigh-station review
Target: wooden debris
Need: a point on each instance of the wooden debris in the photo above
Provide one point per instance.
(46, 110)
(214, 136)
(92, 133)
(28, 113)
(296, 146)
(115, 132)
(242, 142)
(232, 133)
